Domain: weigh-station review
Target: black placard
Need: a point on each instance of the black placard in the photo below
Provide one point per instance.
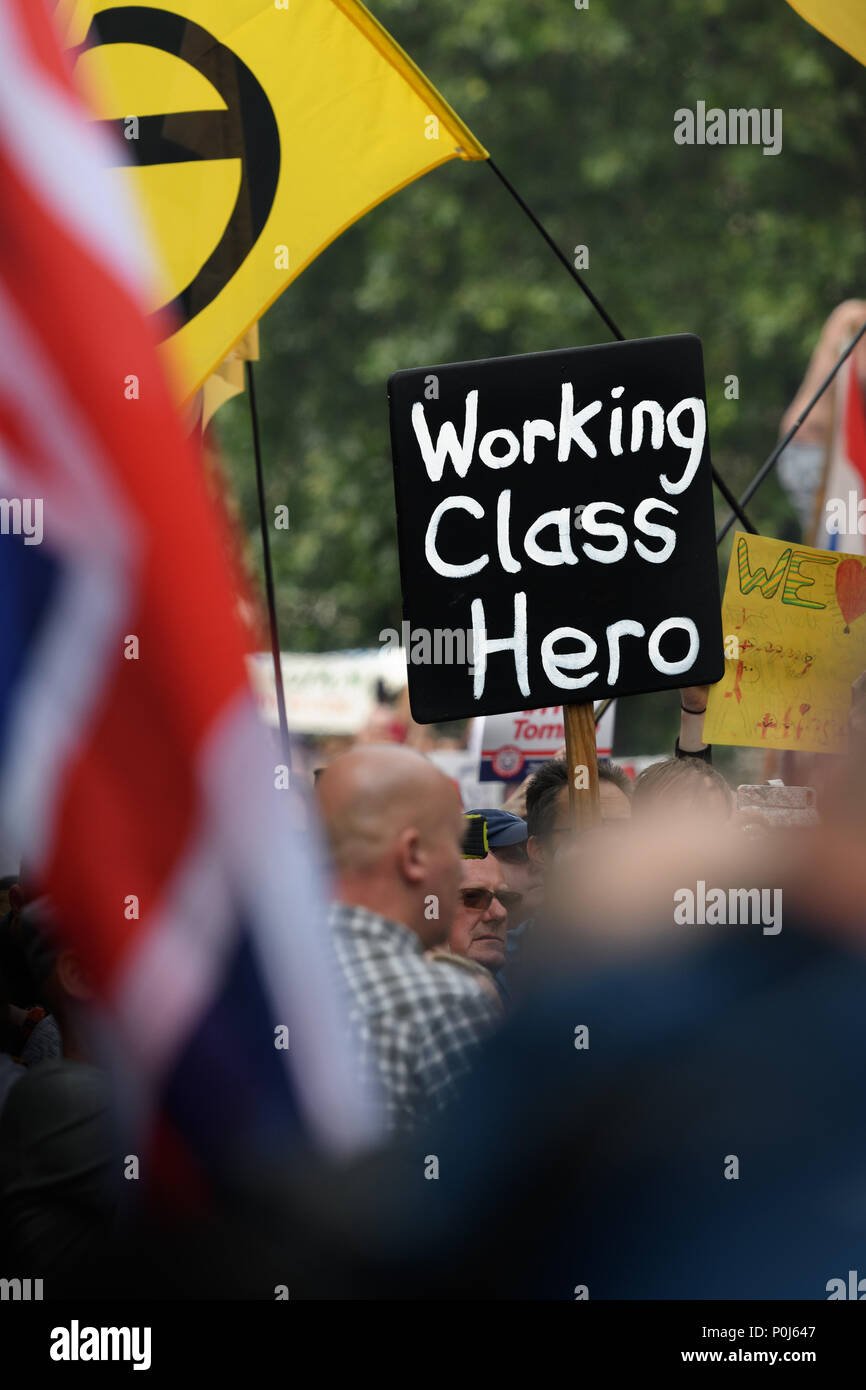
(523, 442)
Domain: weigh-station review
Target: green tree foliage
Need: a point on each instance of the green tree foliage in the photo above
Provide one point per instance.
(749, 251)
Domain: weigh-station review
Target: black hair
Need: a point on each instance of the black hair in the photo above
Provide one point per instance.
(541, 796)
(549, 781)
(612, 772)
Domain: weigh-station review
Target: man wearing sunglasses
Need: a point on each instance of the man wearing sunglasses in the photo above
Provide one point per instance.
(484, 912)
(506, 838)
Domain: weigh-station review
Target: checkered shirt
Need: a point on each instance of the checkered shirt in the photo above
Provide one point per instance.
(416, 1023)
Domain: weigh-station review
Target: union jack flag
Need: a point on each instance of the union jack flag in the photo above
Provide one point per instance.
(133, 770)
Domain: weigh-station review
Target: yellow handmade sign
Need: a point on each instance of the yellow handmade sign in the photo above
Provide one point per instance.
(794, 621)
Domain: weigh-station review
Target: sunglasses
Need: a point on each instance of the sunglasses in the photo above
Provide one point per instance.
(479, 899)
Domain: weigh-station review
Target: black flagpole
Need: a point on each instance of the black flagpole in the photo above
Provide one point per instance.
(269, 572)
(596, 304)
(605, 316)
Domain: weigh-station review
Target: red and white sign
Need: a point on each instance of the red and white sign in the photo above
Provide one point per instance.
(510, 743)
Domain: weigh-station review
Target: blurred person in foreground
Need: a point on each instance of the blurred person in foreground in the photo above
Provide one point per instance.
(395, 830)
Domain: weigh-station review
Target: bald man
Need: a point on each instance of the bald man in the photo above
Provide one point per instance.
(395, 829)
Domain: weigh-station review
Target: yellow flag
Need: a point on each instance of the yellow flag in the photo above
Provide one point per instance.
(843, 21)
(252, 133)
(229, 378)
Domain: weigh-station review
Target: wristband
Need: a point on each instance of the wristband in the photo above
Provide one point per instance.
(692, 711)
(705, 755)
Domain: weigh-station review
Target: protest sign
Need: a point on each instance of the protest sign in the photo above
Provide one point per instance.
(794, 620)
(513, 745)
(326, 692)
(557, 509)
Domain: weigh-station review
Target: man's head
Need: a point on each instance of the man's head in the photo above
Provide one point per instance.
(507, 835)
(548, 806)
(395, 826)
(683, 786)
(480, 924)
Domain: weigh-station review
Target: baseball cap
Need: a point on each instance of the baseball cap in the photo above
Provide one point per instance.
(503, 828)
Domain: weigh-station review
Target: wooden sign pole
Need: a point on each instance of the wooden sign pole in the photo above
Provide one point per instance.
(582, 760)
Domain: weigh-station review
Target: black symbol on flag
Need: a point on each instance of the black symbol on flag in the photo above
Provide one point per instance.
(246, 130)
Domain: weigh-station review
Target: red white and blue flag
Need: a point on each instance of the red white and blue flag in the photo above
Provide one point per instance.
(841, 522)
(133, 769)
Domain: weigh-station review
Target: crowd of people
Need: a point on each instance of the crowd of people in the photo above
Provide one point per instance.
(515, 993)
(579, 1092)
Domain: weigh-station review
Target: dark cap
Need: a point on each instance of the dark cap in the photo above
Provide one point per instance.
(503, 828)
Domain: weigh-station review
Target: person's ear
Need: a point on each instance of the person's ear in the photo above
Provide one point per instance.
(536, 851)
(410, 857)
(71, 977)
